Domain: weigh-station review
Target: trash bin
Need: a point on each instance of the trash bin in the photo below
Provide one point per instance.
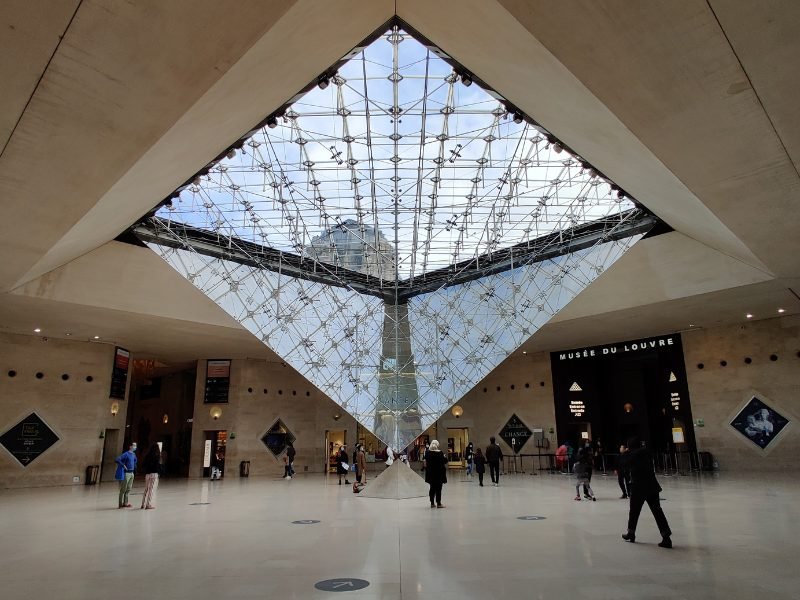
(92, 472)
(244, 468)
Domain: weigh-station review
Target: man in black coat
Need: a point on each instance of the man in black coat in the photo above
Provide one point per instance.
(493, 456)
(644, 487)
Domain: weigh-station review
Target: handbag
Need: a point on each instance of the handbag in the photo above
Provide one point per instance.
(345, 466)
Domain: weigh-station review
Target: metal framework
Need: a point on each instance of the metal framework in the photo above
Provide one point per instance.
(395, 231)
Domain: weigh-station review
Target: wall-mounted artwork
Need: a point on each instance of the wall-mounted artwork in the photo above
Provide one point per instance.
(759, 423)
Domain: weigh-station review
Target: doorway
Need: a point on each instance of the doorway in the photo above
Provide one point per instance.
(333, 441)
(215, 444)
(110, 448)
(457, 440)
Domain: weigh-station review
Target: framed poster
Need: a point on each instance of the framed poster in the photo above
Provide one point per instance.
(29, 439)
(218, 381)
(759, 423)
(119, 374)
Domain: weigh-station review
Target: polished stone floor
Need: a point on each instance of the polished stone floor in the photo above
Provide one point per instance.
(735, 537)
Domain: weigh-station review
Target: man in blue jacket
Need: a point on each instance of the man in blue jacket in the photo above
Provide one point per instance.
(126, 467)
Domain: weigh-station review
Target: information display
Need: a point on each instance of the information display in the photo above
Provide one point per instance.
(28, 439)
(119, 374)
(218, 381)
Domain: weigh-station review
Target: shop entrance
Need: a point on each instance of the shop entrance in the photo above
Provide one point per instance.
(215, 444)
(333, 441)
(457, 440)
(606, 395)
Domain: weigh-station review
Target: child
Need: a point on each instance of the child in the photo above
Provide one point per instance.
(480, 465)
(286, 468)
(583, 471)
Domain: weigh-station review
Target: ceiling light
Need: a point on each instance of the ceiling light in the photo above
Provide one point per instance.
(231, 153)
(781, 310)
(323, 81)
(37, 330)
(749, 316)
(97, 337)
(272, 122)
(558, 147)
(67, 334)
(466, 79)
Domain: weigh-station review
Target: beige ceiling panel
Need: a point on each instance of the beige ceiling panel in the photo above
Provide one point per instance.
(765, 37)
(31, 30)
(705, 310)
(667, 72)
(492, 43)
(127, 278)
(123, 75)
(306, 40)
(658, 269)
(170, 340)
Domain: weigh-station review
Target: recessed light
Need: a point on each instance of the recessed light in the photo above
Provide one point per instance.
(97, 337)
(780, 310)
(749, 316)
(524, 351)
(691, 324)
(37, 330)
(67, 334)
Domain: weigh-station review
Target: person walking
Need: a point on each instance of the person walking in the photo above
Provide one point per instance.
(493, 456)
(644, 488)
(361, 464)
(469, 456)
(152, 471)
(435, 473)
(342, 467)
(480, 465)
(290, 454)
(126, 468)
(623, 473)
(561, 458)
(583, 472)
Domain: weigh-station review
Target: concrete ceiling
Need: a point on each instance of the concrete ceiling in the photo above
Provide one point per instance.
(107, 107)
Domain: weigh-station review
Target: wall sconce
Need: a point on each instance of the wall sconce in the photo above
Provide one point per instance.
(216, 413)
(628, 407)
(114, 408)
(165, 419)
(457, 411)
(337, 416)
(103, 435)
(232, 435)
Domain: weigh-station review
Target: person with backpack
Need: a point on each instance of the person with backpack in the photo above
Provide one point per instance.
(469, 455)
(583, 472)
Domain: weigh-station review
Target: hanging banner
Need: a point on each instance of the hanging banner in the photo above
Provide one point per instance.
(119, 374)
(218, 381)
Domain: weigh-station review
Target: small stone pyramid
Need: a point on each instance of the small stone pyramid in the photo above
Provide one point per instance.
(396, 483)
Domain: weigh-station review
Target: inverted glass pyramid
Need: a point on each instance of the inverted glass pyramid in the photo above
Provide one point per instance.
(395, 232)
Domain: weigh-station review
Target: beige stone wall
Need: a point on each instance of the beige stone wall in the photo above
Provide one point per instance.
(77, 410)
(718, 392)
(250, 414)
(486, 412)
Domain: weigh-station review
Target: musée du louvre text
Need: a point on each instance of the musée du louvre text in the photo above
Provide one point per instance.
(637, 346)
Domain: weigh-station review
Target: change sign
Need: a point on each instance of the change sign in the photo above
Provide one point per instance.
(28, 439)
(515, 433)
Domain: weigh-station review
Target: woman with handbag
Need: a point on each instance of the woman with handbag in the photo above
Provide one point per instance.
(342, 467)
(152, 469)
